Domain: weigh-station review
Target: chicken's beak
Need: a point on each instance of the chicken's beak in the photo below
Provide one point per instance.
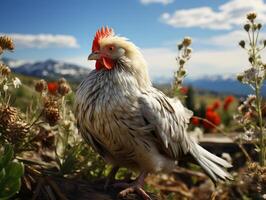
(94, 56)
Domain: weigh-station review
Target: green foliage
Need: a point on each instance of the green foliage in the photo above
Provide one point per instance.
(190, 99)
(10, 173)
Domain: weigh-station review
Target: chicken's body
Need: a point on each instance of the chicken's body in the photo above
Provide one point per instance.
(131, 124)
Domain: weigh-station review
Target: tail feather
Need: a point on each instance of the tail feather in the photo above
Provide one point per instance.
(213, 166)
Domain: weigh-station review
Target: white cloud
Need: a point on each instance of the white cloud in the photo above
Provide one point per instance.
(162, 62)
(229, 40)
(164, 2)
(228, 15)
(42, 40)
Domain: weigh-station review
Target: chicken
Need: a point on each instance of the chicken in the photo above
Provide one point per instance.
(129, 122)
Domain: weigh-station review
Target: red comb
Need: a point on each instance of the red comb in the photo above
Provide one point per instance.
(101, 33)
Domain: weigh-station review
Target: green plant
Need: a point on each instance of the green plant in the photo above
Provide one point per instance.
(10, 173)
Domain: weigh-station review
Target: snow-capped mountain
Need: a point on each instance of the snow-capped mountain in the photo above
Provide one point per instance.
(50, 69)
(215, 83)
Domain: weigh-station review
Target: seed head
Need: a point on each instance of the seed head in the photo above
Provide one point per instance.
(250, 59)
(240, 78)
(5, 70)
(247, 27)
(63, 89)
(6, 43)
(242, 43)
(182, 62)
(189, 50)
(187, 41)
(251, 16)
(41, 86)
(51, 112)
(180, 46)
(259, 26)
(62, 80)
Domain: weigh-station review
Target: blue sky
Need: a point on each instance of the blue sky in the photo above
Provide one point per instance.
(64, 29)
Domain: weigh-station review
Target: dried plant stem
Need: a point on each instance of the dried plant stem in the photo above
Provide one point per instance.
(257, 87)
(262, 152)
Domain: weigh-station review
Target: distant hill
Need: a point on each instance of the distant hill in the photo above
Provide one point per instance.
(215, 83)
(49, 69)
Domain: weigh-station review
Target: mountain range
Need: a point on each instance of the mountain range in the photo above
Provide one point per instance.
(48, 69)
(52, 69)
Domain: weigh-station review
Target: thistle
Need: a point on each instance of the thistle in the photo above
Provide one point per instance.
(254, 76)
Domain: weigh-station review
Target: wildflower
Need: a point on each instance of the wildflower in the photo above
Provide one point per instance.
(63, 89)
(6, 43)
(187, 41)
(213, 117)
(5, 70)
(195, 121)
(216, 105)
(250, 99)
(228, 100)
(242, 43)
(251, 16)
(41, 86)
(16, 82)
(52, 87)
(184, 90)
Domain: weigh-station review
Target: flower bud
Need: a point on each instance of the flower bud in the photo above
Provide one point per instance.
(183, 72)
(242, 43)
(41, 86)
(259, 26)
(187, 41)
(63, 89)
(189, 50)
(182, 61)
(180, 46)
(5, 70)
(247, 27)
(6, 43)
(240, 77)
(250, 59)
(251, 16)
(62, 80)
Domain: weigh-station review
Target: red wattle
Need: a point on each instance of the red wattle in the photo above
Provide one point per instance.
(108, 63)
(104, 62)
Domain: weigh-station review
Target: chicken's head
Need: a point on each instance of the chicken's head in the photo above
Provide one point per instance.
(107, 48)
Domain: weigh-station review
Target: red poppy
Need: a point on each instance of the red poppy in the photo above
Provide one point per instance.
(216, 105)
(195, 121)
(184, 90)
(213, 120)
(227, 102)
(52, 87)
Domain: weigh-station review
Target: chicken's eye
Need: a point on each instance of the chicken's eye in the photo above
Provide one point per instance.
(111, 48)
